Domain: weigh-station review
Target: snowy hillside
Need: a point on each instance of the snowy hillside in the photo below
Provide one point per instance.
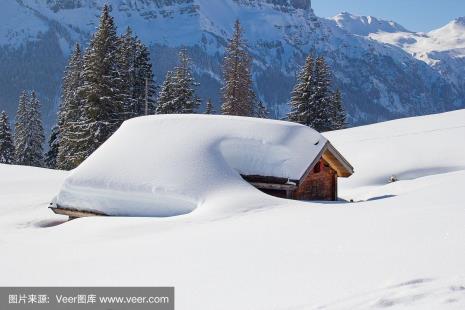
(398, 246)
(379, 81)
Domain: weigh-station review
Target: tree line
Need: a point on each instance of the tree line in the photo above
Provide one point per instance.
(113, 81)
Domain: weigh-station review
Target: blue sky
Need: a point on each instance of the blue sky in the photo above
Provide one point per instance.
(415, 15)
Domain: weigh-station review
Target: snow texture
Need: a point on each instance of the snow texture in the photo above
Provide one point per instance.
(173, 164)
(399, 246)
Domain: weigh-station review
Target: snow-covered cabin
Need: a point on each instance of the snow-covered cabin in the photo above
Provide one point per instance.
(171, 164)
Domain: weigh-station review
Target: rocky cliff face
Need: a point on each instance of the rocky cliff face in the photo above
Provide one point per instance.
(379, 81)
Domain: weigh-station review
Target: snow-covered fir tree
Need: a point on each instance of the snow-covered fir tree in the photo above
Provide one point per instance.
(22, 130)
(102, 100)
(238, 94)
(177, 95)
(186, 97)
(209, 108)
(302, 104)
(312, 102)
(126, 62)
(137, 85)
(323, 116)
(339, 119)
(70, 116)
(165, 103)
(29, 132)
(145, 88)
(7, 148)
(53, 147)
(37, 132)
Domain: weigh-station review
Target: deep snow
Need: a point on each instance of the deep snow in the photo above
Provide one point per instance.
(167, 165)
(400, 246)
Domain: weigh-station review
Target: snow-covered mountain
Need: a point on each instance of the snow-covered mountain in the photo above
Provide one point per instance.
(380, 80)
(364, 25)
(443, 49)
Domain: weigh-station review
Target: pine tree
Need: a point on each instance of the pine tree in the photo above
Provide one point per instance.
(21, 130)
(185, 84)
(302, 102)
(339, 114)
(70, 116)
(137, 85)
(145, 88)
(165, 104)
(126, 69)
(312, 103)
(6, 141)
(209, 109)
(177, 95)
(53, 147)
(323, 116)
(238, 94)
(37, 132)
(29, 133)
(102, 98)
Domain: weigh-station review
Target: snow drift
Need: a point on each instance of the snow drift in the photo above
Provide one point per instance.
(405, 251)
(172, 164)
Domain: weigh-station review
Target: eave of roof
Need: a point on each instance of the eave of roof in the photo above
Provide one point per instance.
(330, 154)
(337, 161)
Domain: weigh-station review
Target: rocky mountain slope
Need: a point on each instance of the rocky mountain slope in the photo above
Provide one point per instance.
(381, 78)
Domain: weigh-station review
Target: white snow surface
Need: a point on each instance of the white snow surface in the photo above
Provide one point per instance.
(173, 164)
(398, 246)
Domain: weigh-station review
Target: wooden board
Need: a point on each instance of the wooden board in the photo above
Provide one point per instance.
(75, 213)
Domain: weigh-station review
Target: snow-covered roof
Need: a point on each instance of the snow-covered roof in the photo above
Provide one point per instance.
(173, 158)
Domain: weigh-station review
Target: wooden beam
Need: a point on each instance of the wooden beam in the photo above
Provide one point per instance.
(75, 213)
(283, 187)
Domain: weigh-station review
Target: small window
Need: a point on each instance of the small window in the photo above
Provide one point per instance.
(317, 168)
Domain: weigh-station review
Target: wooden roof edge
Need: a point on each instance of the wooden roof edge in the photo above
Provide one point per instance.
(76, 213)
(314, 162)
(345, 163)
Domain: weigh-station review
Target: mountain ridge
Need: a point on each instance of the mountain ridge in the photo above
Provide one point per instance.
(380, 79)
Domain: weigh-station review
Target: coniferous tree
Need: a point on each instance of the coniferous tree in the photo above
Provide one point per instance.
(102, 99)
(177, 95)
(126, 68)
(312, 102)
(165, 103)
(7, 149)
(137, 85)
(29, 133)
(36, 132)
(302, 102)
(185, 85)
(238, 94)
(70, 116)
(323, 116)
(22, 130)
(209, 109)
(339, 114)
(145, 88)
(53, 147)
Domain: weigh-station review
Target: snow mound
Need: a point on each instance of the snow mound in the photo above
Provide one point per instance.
(171, 165)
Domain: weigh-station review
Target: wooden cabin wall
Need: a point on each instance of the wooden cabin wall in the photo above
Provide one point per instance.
(318, 185)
